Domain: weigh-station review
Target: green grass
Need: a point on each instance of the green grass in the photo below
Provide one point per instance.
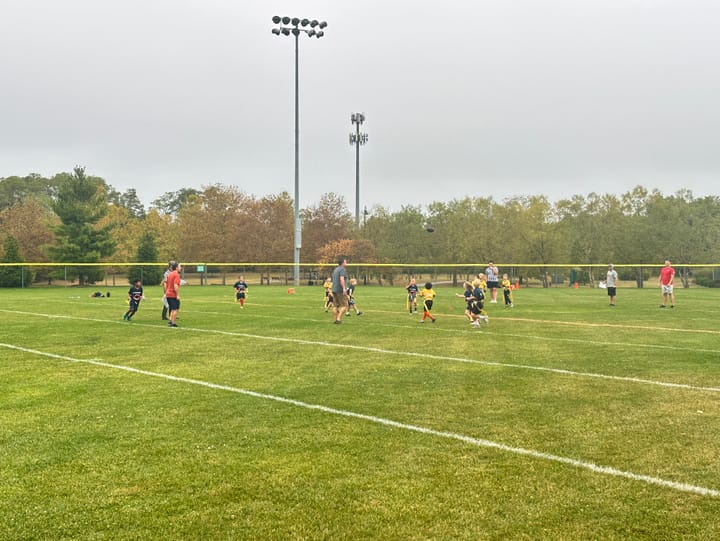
(92, 450)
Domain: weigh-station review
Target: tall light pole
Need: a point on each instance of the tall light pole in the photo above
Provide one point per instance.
(357, 139)
(295, 26)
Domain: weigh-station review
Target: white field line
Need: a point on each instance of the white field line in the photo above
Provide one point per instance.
(588, 324)
(560, 371)
(489, 330)
(605, 470)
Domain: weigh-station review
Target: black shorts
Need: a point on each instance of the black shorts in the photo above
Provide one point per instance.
(493, 285)
(173, 303)
(611, 291)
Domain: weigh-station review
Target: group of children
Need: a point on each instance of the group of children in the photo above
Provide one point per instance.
(473, 294)
(350, 293)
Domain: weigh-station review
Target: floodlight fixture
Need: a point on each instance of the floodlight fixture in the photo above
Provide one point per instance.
(298, 26)
(357, 139)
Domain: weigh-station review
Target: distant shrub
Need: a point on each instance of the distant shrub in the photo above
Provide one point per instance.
(705, 278)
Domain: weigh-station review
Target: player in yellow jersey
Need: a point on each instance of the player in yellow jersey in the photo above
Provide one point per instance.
(507, 291)
(328, 293)
(427, 294)
(480, 282)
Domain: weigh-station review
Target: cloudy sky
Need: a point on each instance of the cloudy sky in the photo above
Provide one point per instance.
(475, 98)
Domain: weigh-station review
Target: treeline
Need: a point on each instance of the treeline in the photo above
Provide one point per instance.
(73, 217)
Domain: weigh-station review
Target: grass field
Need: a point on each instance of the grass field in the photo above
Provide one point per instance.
(563, 418)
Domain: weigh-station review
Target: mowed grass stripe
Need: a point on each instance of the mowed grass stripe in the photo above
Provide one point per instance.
(385, 351)
(604, 470)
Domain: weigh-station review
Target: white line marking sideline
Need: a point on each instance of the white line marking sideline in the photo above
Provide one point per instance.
(605, 470)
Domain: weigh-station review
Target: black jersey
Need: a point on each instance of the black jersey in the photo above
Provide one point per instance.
(240, 286)
(136, 294)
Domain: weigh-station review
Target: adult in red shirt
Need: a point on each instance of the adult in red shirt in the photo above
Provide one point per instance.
(667, 275)
(172, 292)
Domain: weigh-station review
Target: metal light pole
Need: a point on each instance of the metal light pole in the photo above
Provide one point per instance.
(357, 139)
(295, 26)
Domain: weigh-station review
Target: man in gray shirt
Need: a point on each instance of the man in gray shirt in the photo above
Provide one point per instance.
(340, 280)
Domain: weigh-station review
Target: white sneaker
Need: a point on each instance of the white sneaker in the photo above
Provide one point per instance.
(475, 324)
(485, 319)
(494, 302)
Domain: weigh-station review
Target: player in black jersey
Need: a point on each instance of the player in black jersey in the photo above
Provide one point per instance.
(412, 290)
(135, 295)
(241, 288)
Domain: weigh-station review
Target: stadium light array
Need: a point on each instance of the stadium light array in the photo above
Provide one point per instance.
(296, 26)
(357, 139)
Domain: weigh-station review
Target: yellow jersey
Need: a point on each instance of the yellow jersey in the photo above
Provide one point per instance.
(481, 283)
(427, 294)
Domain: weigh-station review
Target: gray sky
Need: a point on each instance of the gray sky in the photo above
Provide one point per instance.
(484, 98)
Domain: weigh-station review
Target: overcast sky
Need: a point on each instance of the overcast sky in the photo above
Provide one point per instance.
(475, 98)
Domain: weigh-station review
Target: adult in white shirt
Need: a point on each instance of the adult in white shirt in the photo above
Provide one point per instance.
(611, 283)
(493, 283)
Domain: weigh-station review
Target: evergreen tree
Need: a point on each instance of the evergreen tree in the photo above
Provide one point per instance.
(147, 252)
(12, 276)
(80, 204)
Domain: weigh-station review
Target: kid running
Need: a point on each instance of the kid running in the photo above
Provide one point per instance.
(472, 311)
(135, 295)
(241, 289)
(427, 295)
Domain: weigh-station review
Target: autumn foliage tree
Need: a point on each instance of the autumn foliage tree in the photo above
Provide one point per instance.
(324, 223)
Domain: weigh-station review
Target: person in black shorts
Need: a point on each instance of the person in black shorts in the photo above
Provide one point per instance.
(135, 295)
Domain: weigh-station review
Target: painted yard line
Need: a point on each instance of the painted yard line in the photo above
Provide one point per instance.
(478, 442)
(489, 330)
(560, 371)
(584, 324)
(524, 320)
(613, 325)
